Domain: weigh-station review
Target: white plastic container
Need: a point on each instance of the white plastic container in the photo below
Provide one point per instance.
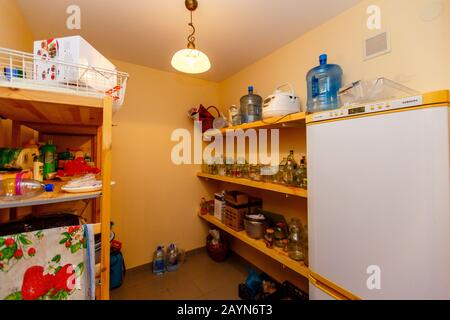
(72, 50)
(219, 205)
(281, 103)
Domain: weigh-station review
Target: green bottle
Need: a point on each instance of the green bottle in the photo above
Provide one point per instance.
(49, 155)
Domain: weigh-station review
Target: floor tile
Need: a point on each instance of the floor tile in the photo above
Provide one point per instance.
(199, 278)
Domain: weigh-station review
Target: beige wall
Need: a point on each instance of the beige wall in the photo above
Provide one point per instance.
(14, 34)
(154, 201)
(419, 57)
(14, 30)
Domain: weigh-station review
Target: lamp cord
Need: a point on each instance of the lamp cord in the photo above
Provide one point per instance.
(191, 38)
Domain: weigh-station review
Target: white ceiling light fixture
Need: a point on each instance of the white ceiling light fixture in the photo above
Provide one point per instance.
(191, 60)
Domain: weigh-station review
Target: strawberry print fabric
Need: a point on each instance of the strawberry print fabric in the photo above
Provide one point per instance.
(52, 264)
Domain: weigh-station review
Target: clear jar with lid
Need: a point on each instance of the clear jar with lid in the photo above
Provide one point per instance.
(295, 240)
(268, 174)
(235, 115)
(257, 172)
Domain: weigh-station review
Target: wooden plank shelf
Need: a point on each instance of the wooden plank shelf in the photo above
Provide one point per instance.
(292, 120)
(50, 112)
(56, 196)
(64, 113)
(279, 188)
(275, 253)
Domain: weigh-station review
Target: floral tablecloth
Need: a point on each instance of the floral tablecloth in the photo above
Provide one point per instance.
(52, 264)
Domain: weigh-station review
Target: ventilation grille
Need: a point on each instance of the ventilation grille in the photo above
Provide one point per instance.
(377, 45)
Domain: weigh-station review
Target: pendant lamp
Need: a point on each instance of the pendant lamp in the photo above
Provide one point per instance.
(191, 60)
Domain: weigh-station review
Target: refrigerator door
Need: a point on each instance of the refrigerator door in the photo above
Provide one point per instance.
(378, 204)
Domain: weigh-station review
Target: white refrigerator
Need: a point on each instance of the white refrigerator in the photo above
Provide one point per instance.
(379, 200)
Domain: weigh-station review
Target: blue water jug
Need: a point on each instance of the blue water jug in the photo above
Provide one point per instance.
(324, 82)
(251, 107)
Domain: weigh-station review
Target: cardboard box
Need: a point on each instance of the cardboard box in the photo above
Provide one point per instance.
(234, 216)
(236, 198)
(238, 205)
(74, 50)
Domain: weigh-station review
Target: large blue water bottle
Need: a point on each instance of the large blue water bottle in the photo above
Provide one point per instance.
(324, 82)
(251, 107)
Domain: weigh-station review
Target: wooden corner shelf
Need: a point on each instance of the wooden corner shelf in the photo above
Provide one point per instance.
(50, 112)
(57, 113)
(56, 196)
(275, 253)
(296, 119)
(279, 188)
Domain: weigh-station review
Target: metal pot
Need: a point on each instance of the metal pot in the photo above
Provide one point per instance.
(255, 227)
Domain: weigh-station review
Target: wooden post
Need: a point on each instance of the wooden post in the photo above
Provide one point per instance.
(106, 196)
(16, 134)
(96, 157)
(15, 143)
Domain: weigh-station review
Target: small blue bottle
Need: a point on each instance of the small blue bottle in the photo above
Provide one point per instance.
(324, 82)
(159, 261)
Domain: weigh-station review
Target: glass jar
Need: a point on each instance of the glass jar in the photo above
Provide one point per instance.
(204, 168)
(279, 234)
(268, 237)
(258, 176)
(245, 170)
(214, 169)
(268, 174)
(251, 172)
(229, 167)
(295, 240)
(304, 245)
(235, 115)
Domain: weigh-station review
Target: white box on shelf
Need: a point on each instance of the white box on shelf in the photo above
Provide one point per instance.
(57, 55)
(219, 205)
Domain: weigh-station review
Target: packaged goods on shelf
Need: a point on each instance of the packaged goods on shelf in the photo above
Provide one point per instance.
(219, 205)
(238, 205)
(72, 50)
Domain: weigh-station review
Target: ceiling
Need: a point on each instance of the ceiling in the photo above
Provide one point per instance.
(233, 33)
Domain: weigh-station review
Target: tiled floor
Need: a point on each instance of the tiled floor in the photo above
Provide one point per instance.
(199, 278)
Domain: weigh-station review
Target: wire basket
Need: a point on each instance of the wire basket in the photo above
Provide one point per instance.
(24, 70)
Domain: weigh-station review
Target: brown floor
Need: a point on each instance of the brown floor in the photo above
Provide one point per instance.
(199, 278)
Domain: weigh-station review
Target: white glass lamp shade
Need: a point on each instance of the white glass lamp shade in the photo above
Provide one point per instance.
(191, 61)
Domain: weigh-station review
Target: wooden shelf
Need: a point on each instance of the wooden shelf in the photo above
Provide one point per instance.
(293, 120)
(275, 253)
(50, 112)
(67, 114)
(279, 188)
(56, 196)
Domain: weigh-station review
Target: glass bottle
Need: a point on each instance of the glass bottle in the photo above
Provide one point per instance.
(289, 170)
(291, 158)
(281, 169)
(295, 240)
(300, 174)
